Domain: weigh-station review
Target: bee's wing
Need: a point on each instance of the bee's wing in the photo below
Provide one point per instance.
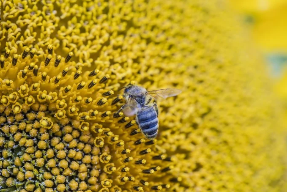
(164, 93)
(130, 108)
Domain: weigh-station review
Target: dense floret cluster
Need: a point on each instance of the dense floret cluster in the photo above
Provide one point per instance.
(63, 65)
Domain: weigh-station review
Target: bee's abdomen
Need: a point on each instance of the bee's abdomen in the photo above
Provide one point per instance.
(148, 121)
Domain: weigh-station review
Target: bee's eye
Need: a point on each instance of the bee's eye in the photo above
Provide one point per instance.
(126, 90)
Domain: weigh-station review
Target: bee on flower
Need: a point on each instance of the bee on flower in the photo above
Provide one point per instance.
(143, 104)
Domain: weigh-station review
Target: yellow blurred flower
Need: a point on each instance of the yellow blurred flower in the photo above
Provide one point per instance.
(62, 67)
(268, 22)
(268, 29)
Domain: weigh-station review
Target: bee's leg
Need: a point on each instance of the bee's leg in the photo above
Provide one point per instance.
(137, 121)
(121, 108)
(156, 108)
(148, 101)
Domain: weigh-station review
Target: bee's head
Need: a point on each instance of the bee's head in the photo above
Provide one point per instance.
(134, 90)
(128, 88)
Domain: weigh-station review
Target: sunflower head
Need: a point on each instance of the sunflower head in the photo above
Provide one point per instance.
(62, 67)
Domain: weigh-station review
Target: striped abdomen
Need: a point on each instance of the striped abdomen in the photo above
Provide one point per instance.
(148, 121)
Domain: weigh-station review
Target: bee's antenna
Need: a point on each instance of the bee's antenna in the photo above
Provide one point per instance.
(122, 88)
(131, 83)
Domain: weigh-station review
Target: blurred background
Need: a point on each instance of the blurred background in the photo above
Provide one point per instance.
(267, 24)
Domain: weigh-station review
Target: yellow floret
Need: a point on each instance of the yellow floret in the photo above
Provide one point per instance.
(63, 65)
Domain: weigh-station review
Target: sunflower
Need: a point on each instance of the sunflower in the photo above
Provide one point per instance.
(63, 66)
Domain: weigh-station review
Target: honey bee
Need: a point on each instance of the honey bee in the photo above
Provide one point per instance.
(143, 104)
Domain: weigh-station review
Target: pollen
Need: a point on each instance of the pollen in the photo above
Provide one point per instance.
(63, 68)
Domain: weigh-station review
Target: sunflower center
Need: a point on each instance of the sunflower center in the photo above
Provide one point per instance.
(39, 154)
